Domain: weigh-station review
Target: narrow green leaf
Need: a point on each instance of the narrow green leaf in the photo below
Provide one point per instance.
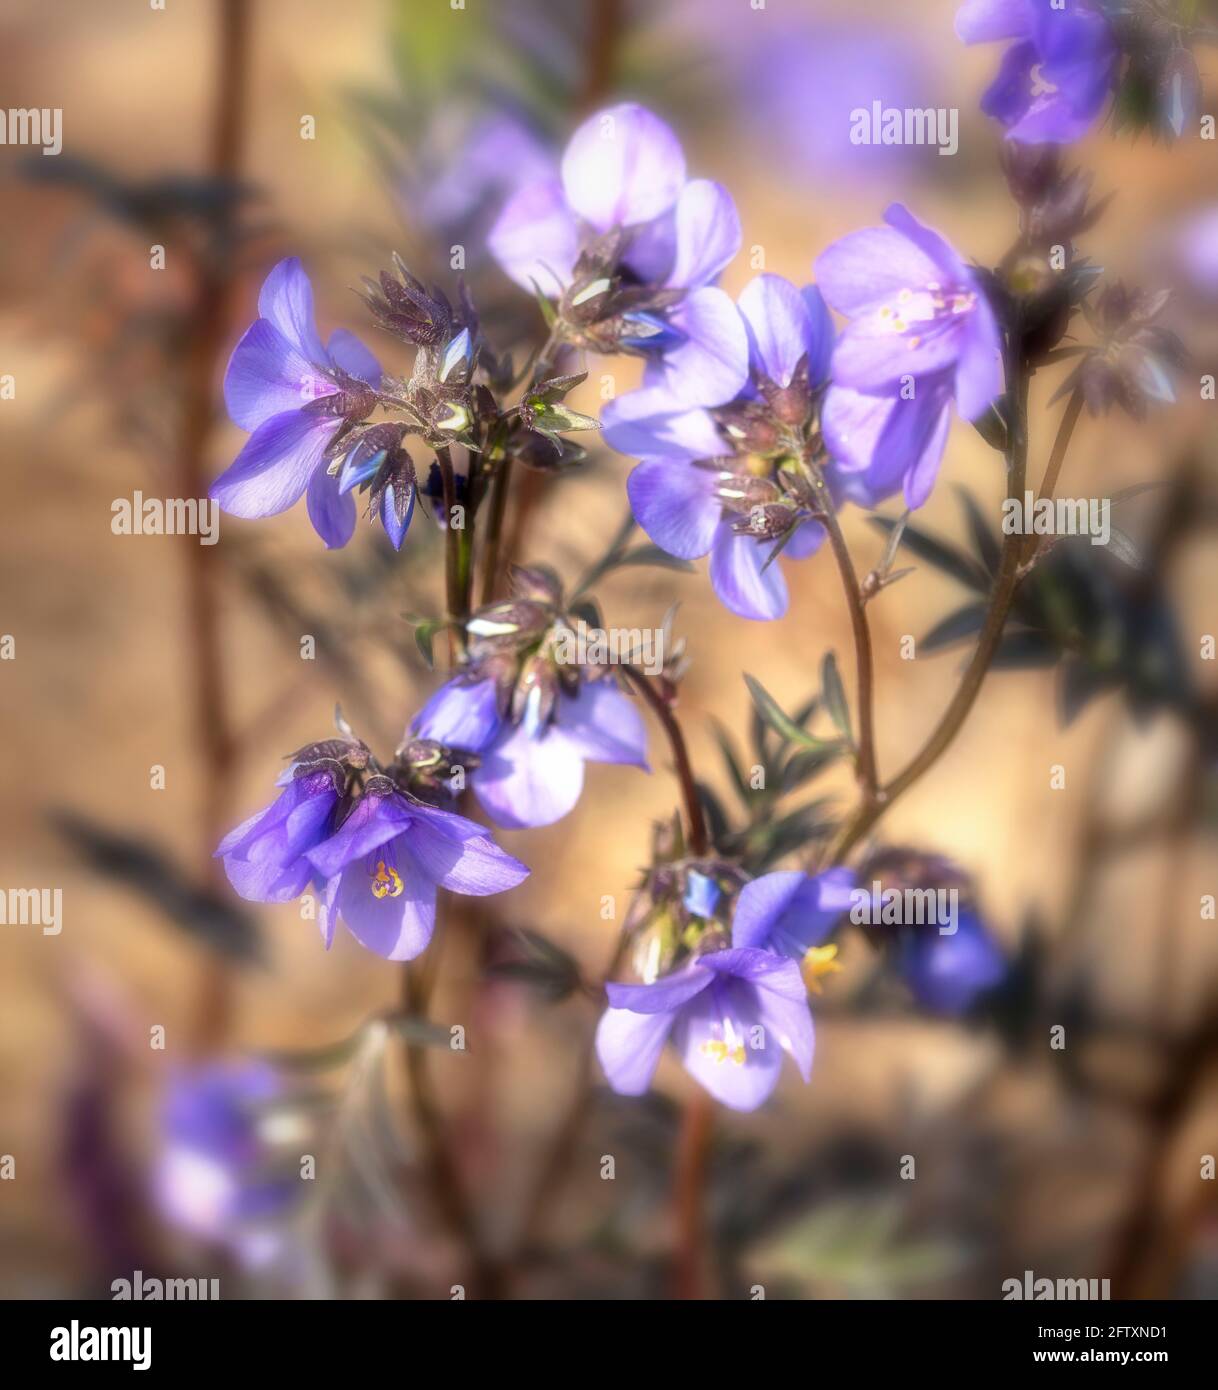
(835, 696)
(772, 714)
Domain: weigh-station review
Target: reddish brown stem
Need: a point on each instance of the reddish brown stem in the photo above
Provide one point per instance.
(213, 735)
(690, 1273)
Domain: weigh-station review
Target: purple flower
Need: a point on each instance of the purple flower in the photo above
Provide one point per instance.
(731, 1013)
(216, 1177)
(1056, 77)
(797, 911)
(377, 867)
(296, 396)
(264, 857)
(921, 334)
(1195, 247)
(531, 772)
(688, 493)
(623, 219)
(947, 973)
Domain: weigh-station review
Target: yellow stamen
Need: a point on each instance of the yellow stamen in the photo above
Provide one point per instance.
(719, 1051)
(386, 883)
(819, 961)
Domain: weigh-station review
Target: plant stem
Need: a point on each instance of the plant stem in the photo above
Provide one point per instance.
(1054, 467)
(865, 759)
(443, 1172)
(556, 1164)
(693, 1152)
(209, 314)
(1005, 586)
(698, 841)
(494, 535)
(455, 570)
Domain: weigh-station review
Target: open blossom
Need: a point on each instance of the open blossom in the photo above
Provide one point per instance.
(1056, 77)
(216, 1177)
(531, 769)
(946, 973)
(632, 248)
(717, 481)
(297, 396)
(731, 1011)
(375, 859)
(921, 335)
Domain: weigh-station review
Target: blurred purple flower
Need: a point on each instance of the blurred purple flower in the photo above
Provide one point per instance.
(691, 498)
(531, 773)
(799, 910)
(921, 333)
(481, 162)
(1056, 77)
(377, 869)
(1196, 251)
(731, 1013)
(947, 973)
(623, 175)
(215, 1175)
(295, 395)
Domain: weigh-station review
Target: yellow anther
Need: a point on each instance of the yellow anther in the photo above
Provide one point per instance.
(719, 1051)
(820, 961)
(386, 883)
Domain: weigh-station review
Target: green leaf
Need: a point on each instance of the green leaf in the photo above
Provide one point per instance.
(835, 697)
(772, 714)
(964, 622)
(985, 543)
(735, 772)
(894, 544)
(548, 311)
(540, 964)
(940, 555)
(651, 555)
(991, 425)
(559, 416)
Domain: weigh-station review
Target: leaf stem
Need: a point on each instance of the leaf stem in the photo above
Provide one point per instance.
(1006, 584)
(698, 840)
(865, 759)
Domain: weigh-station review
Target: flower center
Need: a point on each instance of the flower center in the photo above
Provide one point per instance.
(728, 1048)
(931, 311)
(1041, 86)
(386, 882)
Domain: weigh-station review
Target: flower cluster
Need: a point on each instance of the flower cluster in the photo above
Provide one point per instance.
(756, 421)
(370, 841)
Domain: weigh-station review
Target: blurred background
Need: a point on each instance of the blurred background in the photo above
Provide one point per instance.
(182, 127)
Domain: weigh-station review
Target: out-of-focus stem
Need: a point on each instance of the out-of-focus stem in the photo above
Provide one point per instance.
(698, 841)
(690, 1273)
(213, 734)
(1005, 586)
(556, 1164)
(1054, 467)
(442, 1171)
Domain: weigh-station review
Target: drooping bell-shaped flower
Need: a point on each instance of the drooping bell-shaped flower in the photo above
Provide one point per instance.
(296, 396)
